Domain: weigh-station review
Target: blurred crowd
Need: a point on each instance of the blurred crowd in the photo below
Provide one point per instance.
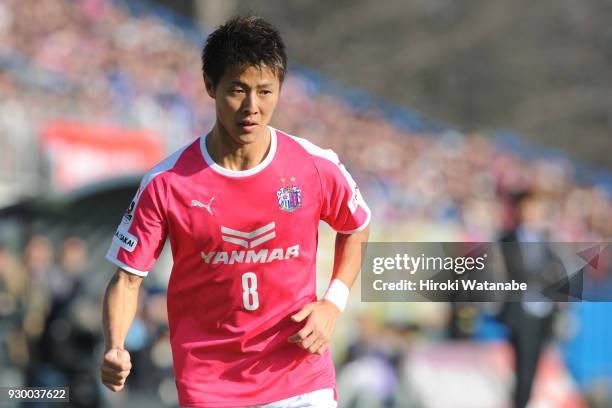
(94, 61)
(50, 333)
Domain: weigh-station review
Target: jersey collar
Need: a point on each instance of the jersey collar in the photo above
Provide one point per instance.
(240, 173)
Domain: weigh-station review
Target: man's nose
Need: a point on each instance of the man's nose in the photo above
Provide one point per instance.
(249, 104)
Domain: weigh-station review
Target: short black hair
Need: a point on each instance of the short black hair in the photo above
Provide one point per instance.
(241, 42)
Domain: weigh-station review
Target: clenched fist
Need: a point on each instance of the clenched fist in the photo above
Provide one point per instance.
(115, 368)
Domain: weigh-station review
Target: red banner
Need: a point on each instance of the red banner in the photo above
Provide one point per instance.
(82, 154)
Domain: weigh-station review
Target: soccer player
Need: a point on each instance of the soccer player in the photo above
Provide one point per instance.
(241, 207)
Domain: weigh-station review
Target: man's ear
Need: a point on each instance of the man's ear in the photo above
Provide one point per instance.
(210, 87)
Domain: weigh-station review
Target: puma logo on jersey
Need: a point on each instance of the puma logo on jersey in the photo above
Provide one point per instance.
(249, 239)
(196, 203)
(251, 256)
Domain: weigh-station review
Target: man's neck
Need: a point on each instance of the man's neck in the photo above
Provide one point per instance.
(233, 156)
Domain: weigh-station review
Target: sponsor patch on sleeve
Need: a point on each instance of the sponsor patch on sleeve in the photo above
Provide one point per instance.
(125, 240)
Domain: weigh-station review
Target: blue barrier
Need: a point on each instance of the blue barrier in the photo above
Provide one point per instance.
(589, 354)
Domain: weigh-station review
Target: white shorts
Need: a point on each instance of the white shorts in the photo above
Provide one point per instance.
(323, 398)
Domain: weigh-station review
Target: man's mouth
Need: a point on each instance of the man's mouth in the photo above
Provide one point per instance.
(248, 125)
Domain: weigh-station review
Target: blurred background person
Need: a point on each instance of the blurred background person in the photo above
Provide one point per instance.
(64, 355)
(528, 259)
(13, 284)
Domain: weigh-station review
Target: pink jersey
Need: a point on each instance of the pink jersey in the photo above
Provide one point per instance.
(244, 248)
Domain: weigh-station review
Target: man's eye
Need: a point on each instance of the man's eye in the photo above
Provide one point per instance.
(237, 90)
(265, 92)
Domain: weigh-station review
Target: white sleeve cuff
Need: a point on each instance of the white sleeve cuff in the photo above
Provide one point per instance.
(361, 227)
(127, 268)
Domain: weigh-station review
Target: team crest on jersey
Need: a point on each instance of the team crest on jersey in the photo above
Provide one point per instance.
(289, 198)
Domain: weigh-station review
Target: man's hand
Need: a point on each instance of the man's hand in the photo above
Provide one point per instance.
(316, 333)
(115, 368)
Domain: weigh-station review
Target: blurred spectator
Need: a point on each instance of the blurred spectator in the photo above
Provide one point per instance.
(369, 377)
(529, 259)
(38, 261)
(13, 350)
(64, 353)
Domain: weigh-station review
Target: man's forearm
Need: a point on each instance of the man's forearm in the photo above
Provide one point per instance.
(322, 315)
(347, 256)
(119, 308)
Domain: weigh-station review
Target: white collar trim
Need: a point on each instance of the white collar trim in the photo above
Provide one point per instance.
(240, 173)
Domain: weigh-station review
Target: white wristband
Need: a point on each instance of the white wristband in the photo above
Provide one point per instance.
(337, 293)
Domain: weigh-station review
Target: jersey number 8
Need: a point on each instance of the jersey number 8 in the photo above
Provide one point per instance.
(250, 298)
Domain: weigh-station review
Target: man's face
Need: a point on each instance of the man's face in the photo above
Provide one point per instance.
(245, 101)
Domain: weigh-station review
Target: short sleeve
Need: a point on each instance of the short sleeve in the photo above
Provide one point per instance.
(343, 206)
(141, 234)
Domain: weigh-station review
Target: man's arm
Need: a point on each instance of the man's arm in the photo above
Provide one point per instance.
(118, 311)
(322, 315)
(347, 256)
